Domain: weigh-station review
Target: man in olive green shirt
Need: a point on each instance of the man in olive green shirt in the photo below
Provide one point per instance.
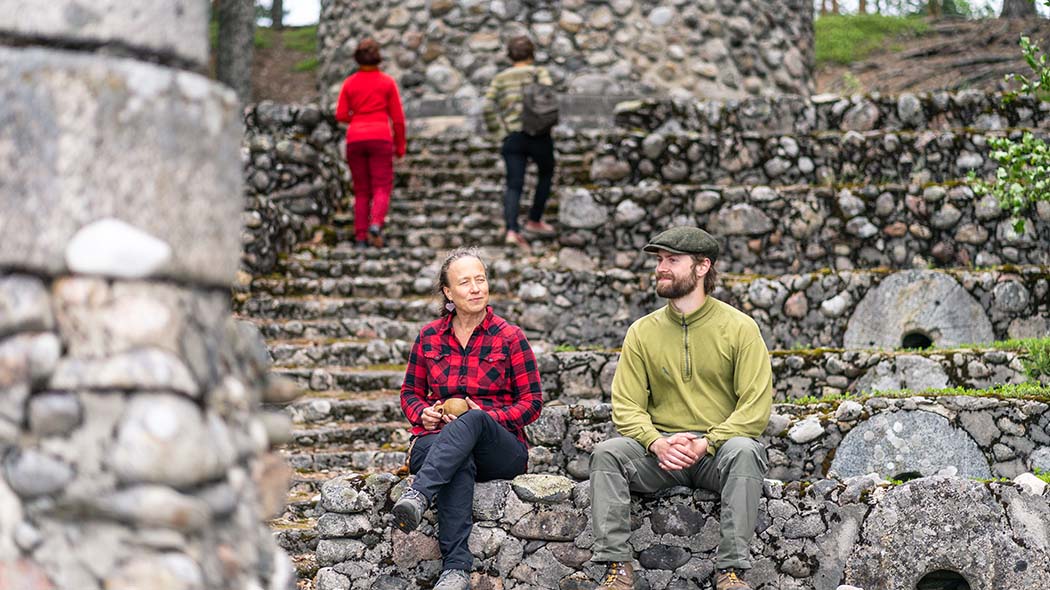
(692, 392)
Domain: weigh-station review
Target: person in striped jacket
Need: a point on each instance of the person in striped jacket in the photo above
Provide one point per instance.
(502, 113)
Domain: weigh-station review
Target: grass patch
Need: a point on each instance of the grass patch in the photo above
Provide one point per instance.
(307, 65)
(1037, 355)
(844, 39)
(1028, 390)
(303, 39)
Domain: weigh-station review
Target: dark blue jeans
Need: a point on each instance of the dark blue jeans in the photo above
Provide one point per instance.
(518, 149)
(473, 447)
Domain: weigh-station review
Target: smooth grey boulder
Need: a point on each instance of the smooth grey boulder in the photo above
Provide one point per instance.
(101, 138)
(925, 302)
(177, 28)
(895, 443)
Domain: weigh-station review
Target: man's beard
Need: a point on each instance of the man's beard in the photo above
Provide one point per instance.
(679, 286)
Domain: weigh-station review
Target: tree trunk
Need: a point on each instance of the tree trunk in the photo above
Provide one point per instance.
(233, 56)
(277, 14)
(933, 8)
(834, 6)
(862, 7)
(1018, 9)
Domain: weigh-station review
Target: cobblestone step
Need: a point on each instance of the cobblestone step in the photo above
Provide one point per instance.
(333, 435)
(350, 327)
(333, 460)
(347, 406)
(848, 309)
(353, 379)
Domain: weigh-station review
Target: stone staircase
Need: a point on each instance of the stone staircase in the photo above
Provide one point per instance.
(847, 226)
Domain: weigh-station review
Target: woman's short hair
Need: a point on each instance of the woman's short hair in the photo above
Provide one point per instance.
(442, 278)
(520, 48)
(367, 52)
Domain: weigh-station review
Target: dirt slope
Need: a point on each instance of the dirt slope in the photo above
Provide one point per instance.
(951, 55)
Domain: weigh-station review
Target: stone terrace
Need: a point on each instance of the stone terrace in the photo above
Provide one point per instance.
(847, 228)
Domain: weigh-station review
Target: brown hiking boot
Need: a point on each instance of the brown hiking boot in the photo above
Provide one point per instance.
(619, 575)
(729, 579)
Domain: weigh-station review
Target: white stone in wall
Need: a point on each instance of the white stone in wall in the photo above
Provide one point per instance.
(10, 517)
(111, 247)
(140, 369)
(806, 431)
(166, 571)
(96, 137)
(166, 439)
(24, 305)
(1031, 484)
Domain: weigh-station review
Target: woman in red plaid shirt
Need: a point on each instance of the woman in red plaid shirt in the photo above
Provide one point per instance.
(469, 353)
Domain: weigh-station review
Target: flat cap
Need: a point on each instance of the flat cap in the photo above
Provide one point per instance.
(685, 240)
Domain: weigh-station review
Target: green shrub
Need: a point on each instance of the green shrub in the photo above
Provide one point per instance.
(1022, 177)
(844, 39)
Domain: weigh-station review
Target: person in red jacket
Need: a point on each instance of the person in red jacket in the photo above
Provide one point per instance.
(369, 102)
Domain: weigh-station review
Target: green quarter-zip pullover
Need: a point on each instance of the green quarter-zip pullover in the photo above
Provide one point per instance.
(706, 372)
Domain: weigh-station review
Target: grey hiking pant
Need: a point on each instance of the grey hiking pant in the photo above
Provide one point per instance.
(620, 466)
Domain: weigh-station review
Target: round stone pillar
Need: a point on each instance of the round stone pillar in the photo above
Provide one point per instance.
(133, 449)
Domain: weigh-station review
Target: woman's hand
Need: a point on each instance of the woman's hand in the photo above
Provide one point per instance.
(471, 405)
(432, 418)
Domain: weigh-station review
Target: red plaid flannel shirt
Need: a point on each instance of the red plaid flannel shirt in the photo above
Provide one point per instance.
(497, 370)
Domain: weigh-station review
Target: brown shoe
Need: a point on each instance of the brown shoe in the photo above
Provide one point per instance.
(375, 236)
(540, 228)
(515, 239)
(729, 579)
(619, 575)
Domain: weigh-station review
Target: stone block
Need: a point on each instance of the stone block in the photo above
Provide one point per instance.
(178, 29)
(101, 139)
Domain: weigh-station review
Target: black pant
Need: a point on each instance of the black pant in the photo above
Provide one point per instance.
(518, 148)
(473, 447)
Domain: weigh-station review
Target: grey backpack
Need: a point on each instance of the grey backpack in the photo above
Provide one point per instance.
(539, 111)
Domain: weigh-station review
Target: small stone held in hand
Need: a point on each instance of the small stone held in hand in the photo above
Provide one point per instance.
(454, 406)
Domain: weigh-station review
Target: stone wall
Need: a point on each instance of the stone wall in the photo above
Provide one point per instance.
(443, 53)
(976, 437)
(834, 158)
(586, 376)
(534, 532)
(776, 230)
(134, 448)
(295, 177)
(573, 377)
(848, 309)
(937, 111)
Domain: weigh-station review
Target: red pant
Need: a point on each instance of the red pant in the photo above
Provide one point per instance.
(372, 169)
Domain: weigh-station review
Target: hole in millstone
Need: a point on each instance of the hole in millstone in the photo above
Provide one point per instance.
(906, 476)
(943, 580)
(916, 340)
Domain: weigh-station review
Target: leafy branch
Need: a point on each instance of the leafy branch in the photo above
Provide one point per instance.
(1039, 83)
(1023, 177)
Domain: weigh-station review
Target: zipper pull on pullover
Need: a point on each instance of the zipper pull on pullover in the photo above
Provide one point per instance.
(687, 369)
